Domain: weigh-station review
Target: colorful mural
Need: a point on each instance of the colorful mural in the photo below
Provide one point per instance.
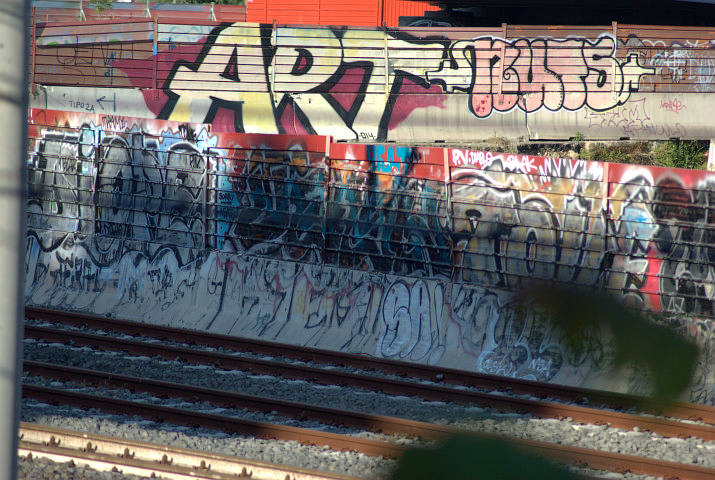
(402, 252)
(370, 84)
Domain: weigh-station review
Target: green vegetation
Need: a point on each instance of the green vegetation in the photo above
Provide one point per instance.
(465, 457)
(621, 152)
(681, 154)
(101, 5)
(673, 153)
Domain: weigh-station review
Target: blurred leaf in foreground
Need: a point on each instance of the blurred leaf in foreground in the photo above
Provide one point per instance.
(464, 457)
(589, 324)
(586, 318)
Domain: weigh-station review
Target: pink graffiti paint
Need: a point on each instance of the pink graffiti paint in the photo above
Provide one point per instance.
(291, 123)
(413, 96)
(674, 105)
(346, 91)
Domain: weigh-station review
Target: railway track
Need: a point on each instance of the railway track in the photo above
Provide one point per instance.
(384, 424)
(436, 375)
(370, 422)
(150, 460)
(566, 454)
(517, 404)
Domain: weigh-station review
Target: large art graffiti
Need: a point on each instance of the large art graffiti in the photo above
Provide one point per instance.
(323, 76)
(367, 84)
(403, 252)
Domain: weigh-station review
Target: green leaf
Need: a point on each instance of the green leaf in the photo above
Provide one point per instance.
(588, 320)
(466, 457)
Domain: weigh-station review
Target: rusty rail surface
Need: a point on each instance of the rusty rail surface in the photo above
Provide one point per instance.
(538, 408)
(216, 422)
(572, 455)
(376, 423)
(141, 458)
(584, 396)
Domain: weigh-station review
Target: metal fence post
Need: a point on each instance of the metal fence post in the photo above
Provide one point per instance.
(95, 171)
(614, 68)
(448, 208)
(204, 197)
(14, 56)
(605, 203)
(33, 41)
(387, 61)
(155, 77)
(326, 196)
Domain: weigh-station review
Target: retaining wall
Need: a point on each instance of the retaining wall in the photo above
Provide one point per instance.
(367, 84)
(403, 252)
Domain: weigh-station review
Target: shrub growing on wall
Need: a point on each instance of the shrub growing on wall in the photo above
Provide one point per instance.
(101, 5)
(681, 154)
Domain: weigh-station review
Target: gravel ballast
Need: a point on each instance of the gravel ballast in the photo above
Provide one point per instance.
(291, 453)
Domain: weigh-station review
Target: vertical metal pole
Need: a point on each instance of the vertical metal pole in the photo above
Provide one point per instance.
(614, 68)
(80, 13)
(450, 214)
(502, 51)
(95, 175)
(274, 61)
(33, 45)
(205, 181)
(605, 203)
(14, 50)
(326, 196)
(387, 61)
(155, 48)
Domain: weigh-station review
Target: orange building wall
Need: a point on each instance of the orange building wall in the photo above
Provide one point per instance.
(334, 12)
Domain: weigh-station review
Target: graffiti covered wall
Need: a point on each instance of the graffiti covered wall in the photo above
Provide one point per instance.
(370, 84)
(401, 252)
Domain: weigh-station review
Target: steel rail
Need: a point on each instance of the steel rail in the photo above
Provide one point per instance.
(191, 393)
(538, 408)
(123, 465)
(143, 458)
(584, 396)
(572, 455)
(216, 422)
(297, 410)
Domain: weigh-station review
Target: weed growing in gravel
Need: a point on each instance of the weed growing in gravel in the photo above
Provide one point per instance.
(631, 152)
(673, 153)
(681, 154)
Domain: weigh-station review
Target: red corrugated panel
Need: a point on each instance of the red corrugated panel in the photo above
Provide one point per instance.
(293, 11)
(392, 10)
(334, 12)
(315, 12)
(256, 11)
(349, 12)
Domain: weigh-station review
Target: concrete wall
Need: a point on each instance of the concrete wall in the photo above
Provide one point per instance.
(413, 85)
(402, 252)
